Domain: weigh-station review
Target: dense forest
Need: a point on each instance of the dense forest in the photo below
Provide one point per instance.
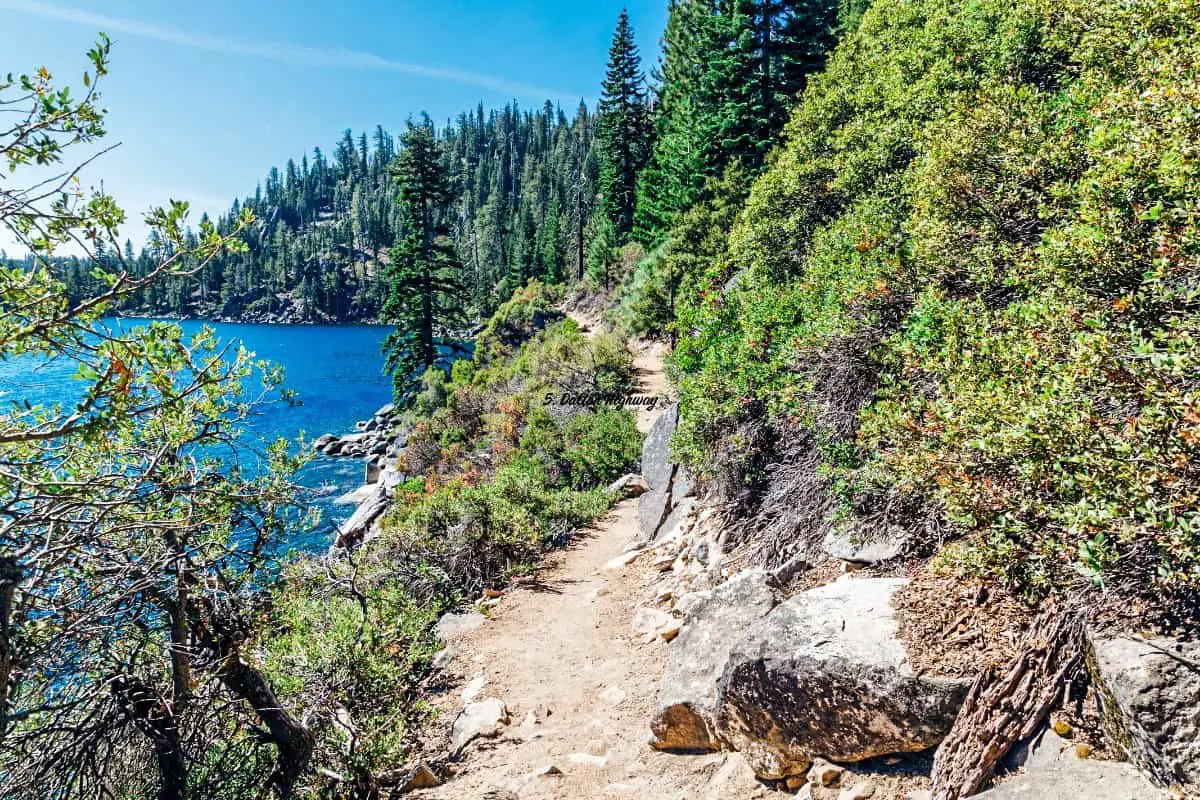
(527, 184)
(524, 187)
(926, 271)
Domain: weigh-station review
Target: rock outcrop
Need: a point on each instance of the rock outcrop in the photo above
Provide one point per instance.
(689, 697)
(825, 674)
(820, 675)
(1151, 692)
(659, 472)
(353, 531)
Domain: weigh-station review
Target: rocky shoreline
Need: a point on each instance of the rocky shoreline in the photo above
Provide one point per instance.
(379, 443)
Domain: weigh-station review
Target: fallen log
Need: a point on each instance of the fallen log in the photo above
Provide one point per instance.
(1008, 705)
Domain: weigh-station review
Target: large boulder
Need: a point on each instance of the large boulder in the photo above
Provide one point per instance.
(689, 698)
(352, 531)
(658, 470)
(825, 674)
(1151, 692)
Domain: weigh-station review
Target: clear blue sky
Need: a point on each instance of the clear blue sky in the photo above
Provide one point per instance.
(205, 97)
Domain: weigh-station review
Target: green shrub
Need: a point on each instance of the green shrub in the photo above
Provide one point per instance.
(601, 446)
(996, 203)
(528, 311)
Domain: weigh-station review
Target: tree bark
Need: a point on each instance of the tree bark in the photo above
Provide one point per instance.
(10, 576)
(1009, 705)
(155, 721)
(292, 740)
(221, 635)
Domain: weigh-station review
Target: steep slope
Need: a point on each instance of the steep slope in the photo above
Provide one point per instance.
(961, 303)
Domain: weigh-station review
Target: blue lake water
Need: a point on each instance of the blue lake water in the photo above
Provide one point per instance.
(336, 372)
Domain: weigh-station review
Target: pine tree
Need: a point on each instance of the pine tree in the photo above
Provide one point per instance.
(424, 271)
(730, 74)
(603, 251)
(622, 129)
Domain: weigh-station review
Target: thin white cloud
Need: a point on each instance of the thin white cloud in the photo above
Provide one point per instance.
(271, 51)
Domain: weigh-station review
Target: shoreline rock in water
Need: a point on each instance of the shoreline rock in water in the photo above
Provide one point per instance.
(378, 442)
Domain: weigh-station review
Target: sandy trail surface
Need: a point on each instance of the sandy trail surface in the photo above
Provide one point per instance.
(578, 683)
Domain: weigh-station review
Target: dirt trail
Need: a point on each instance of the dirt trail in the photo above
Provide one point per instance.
(579, 685)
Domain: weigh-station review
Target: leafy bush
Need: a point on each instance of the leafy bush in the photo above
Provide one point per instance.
(528, 311)
(996, 202)
(601, 446)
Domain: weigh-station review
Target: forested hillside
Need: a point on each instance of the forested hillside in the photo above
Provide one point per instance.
(961, 302)
(318, 249)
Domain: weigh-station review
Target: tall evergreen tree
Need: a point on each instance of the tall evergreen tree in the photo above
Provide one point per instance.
(730, 73)
(622, 129)
(425, 271)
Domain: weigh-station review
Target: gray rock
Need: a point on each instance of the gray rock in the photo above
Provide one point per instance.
(355, 497)
(689, 697)
(683, 484)
(361, 425)
(1043, 751)
(386, 411)
(1072, 779)
(687, 605)
(485, 718)
(629, 486)
(390, 478)
(1152, 701)
(371, 473)
(651, 624)
(672, 526)
(658, 471)
(824, 674)
(862, 790)
(324, 441)
(848, 547)
(731, 777)
(451, 625)
(352, 530)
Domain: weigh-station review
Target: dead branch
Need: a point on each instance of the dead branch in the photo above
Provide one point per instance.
(1008, 705)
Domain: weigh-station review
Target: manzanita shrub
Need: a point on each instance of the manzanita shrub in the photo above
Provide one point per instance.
(1002, 198)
